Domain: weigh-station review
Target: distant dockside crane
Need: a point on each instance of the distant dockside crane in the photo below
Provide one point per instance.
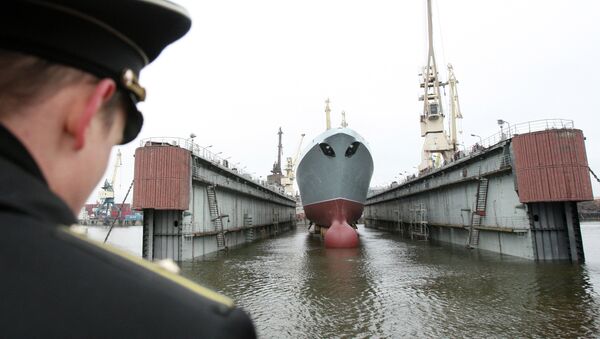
(438, 146)
(276, 174)
(290, 169)
(106, 195)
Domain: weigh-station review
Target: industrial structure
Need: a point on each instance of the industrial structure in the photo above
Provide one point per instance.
(276, 174)
(105, 211)
(514, 193)
(194, 204)
(285, 180)
(436, 145)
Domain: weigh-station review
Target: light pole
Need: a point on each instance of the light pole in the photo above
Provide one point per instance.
(192, 136)
(501, 123)
(477, 136)
(215, 158)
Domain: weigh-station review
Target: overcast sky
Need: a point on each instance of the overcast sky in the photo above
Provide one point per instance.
(247, 68)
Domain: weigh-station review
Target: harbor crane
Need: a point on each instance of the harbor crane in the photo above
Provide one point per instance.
(438, 147)
(106, 195)
(290, 173)
(276, 176)
(455, 112)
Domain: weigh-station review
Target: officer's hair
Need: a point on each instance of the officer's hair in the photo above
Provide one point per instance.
(27, 80)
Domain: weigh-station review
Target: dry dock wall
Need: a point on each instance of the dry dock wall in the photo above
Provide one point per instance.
(218, 209)
(477, 200)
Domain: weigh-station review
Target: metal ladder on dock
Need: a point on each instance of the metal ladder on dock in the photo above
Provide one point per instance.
(215, 217)
(577, 254)
(187, 237)
(276, 223)
(479, 212)
(249, 228)
(418, 224)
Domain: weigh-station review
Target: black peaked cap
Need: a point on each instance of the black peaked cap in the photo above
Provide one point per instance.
(107, 38)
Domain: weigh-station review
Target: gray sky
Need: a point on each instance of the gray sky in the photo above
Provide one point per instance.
(248, 67)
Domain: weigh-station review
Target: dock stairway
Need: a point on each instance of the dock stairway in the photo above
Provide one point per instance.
(215, 217)
(187, 237)
(479, 213)
(419, 228)
(249, 229)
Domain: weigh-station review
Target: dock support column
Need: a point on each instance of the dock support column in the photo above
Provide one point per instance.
(573, 230)
(148, 235)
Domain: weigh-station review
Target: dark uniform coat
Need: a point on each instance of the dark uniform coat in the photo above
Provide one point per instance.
(54, 283)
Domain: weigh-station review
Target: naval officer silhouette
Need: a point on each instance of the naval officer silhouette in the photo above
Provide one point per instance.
(68, 93)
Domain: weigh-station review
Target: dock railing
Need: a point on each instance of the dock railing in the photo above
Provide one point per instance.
(513, 130)
(505, 133)
(521, 128)
(206, 154)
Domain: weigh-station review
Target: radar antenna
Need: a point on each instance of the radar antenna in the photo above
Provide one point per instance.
(344, 123)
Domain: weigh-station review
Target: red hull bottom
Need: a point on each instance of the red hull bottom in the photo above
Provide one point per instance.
(336, 214)
(341, 235)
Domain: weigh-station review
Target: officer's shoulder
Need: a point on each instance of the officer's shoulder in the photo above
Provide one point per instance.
(122, 260)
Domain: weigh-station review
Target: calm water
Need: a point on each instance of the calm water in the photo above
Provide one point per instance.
(390, 287)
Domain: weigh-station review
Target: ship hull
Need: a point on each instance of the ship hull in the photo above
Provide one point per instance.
(333, 177)
(325, 212)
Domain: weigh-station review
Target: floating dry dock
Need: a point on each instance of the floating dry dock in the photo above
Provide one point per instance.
(514, 193)
(194, 203)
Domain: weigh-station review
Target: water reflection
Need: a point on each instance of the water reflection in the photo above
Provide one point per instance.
(389, 287)
(337, 291)
(513, 298)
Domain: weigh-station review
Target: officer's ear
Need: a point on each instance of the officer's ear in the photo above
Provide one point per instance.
(80, 122)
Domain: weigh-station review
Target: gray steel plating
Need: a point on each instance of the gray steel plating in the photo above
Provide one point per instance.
(337, 164)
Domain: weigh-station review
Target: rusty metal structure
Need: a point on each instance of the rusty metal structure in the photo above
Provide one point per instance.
(513, 193)
(194, 203)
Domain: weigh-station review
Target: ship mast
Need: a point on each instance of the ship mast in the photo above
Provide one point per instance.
(435, 146)
(327, 115)
(344, 124)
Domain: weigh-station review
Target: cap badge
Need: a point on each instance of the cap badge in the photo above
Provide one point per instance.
(130, 81)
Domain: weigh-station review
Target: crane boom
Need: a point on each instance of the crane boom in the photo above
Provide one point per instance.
(455, 112)
(290, 173)
(436, 146)
(118, 164)
(298, 149)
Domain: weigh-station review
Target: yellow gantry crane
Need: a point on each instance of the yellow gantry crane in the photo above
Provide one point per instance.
(455, 112)
(290, 173)
(439, 147)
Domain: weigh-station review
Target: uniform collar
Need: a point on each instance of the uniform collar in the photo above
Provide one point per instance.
(13, 150)
(23, 188)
